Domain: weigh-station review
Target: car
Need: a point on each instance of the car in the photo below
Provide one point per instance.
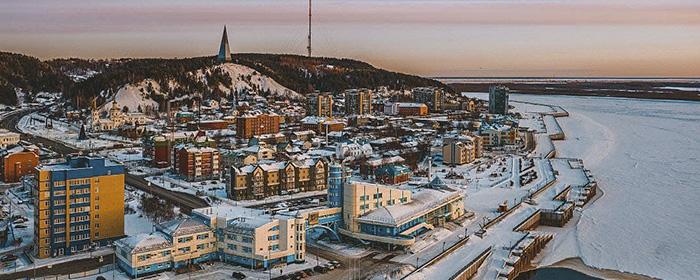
(238, 275)
(8, 258)
(20, 226)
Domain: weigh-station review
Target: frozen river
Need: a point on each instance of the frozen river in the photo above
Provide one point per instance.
(646, 157)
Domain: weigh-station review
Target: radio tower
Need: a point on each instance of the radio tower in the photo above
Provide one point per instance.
(308, 48)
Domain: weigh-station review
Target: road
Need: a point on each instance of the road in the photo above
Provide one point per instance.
(185, 201)
(74, 266)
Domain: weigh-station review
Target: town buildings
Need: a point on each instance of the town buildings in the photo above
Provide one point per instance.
(496, 135)
(461, 149)
(259, 181)
(358, 102)
(250, 125)
(393, 216)
(320, 104)
(498, 100)
(17, 162)
(8, 138)
(197, 163)
(431, 96)
(78, 204)
(174, 244)
(405, 109)
(229, 234)
(116, 118)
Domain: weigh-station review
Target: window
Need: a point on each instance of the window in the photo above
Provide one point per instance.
(231, 246)
(201, 246)
(247, 239)
(165, 253)
(184, 249)
(184, 239)
(275, 247)
(273, 237)
(247, 249)
(202, 236)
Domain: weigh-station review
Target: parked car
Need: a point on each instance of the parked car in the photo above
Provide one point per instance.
(238, 275)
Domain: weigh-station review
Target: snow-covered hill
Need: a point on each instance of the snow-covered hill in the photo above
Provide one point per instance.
(246, 78)
(135, 95)
(243, 78)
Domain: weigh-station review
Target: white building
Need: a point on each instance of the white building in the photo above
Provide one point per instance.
(8, 138)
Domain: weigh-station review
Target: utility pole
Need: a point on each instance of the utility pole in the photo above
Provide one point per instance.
(308, 48)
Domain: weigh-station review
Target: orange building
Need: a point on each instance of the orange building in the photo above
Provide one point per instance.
(16, 164)
(412, 109)
(248, 126)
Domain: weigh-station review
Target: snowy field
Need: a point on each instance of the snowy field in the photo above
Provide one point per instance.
(645, 155)
(66, 133)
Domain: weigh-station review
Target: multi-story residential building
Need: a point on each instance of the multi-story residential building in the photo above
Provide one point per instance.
(250, 125)
(8, 138)
(458, 153)
(394, 216)
(322, 125)
(78, 204)
(494, 135)
(175, 244)
(358, 102)
(431, 96)
(254, 239)
(17, 162)
(405, 109)
(197, 163)
(462, 149)
(320, 104)
(498, 100)
(230, 234)
(393, 174)
(259, 181)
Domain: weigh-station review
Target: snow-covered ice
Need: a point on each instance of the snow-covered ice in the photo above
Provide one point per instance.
(645, 155)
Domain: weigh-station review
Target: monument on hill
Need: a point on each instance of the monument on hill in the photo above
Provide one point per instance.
(224, 49)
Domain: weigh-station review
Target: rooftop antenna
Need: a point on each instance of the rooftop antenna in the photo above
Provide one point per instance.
(308, 48)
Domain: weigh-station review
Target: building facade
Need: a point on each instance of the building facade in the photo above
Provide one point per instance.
(458, 153)
(393, 216)
(431, 96)
(358, 102)
(8, 138)
(279, 178)
(197, 163)
(16, 163)
(78, 204)
(248, 126)
(405, 109)
(173, 245)
(498, 100)
(320, 105)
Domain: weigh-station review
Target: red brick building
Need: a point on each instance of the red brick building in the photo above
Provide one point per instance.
(17, 163)
(195, 164)
(248, 126)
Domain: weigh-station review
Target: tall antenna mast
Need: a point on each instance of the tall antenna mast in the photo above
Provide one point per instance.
(309, 46)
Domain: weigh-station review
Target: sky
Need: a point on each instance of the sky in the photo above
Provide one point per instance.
(471, 38)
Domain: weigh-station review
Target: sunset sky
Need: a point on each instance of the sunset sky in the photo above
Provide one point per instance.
(659, 38)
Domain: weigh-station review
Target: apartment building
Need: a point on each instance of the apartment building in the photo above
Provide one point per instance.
(320, 104)
(358, 102)
(259, 181)
(197, 163)
(405, 109)
(78, 204)
(431, 96)
(250, 125)
(229, 234)
(174, 244)
(498, 100)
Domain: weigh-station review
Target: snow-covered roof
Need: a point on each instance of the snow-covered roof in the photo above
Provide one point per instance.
(180, 227)
(423, 200)
(144, 242)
